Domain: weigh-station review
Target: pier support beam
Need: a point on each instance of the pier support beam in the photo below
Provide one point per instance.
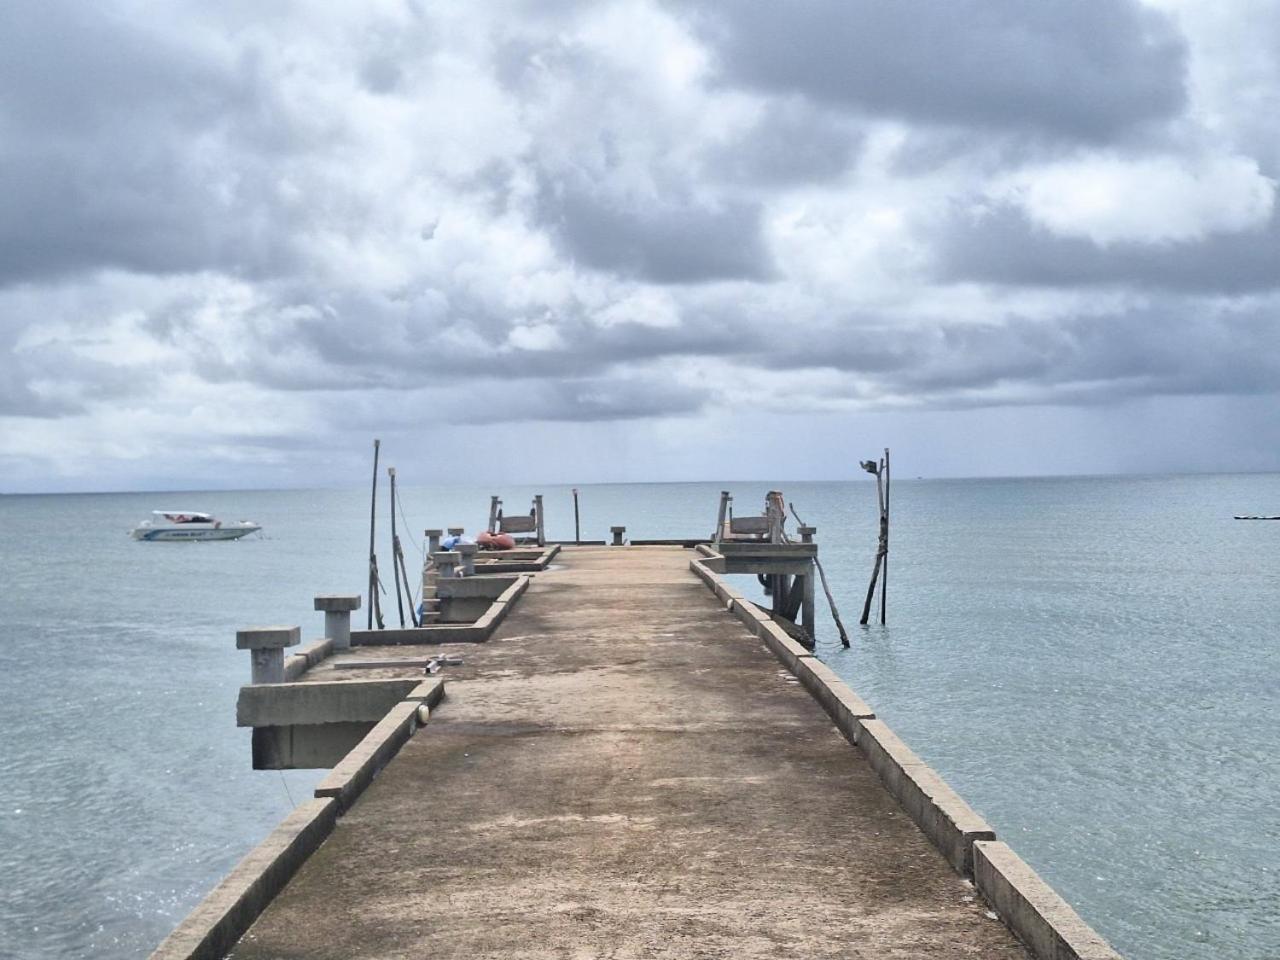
(808, 617)
(337, 617)
(266, 648)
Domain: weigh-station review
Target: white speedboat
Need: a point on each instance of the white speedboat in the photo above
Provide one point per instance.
(190, 525)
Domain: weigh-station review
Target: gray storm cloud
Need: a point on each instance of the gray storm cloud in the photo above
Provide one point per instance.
(247, 222)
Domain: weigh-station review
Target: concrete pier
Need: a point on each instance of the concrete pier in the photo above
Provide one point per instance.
(624, 769)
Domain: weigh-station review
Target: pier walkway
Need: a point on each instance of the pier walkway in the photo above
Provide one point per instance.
(624, 770)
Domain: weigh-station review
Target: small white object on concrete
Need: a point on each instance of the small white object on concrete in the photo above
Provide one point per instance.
(337, 609)
(266, 647)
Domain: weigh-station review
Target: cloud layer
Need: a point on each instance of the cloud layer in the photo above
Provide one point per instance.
(283, 230)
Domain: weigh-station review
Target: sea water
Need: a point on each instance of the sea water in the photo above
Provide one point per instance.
(1093, 663)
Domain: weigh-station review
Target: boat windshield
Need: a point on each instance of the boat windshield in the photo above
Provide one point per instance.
(188, 517)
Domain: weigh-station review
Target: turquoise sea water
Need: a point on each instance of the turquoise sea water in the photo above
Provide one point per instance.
(1093, 663)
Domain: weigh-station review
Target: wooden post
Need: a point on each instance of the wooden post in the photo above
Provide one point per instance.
(884, 537)
(395, 544)
(542, 532)
(808, 617)
(494, 506)
(881, 472)
(577, 528)
(373, 556)
(722, 516)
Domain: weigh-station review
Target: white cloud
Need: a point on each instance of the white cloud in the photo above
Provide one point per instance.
(1155, 200)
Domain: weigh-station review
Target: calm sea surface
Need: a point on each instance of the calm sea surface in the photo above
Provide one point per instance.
(1093, 663)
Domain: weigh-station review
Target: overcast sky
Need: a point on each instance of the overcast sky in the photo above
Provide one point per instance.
(635, 240)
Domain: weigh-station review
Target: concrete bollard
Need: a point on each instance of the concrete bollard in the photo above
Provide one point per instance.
(266, 647)
(617, 535)
(806, 534)
(457, 531)
(468, 554)
(433, 540)
(446, 562)
(337, 609)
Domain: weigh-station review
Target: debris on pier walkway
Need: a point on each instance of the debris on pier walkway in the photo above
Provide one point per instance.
(623, 770)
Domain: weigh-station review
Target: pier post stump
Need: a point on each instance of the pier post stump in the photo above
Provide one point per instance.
(457, 531)
(617, 535)
(808, 617)
(266, 647)
(433, 540)
(337, 609)
(446, 563)
(806, 534)
(468, 554)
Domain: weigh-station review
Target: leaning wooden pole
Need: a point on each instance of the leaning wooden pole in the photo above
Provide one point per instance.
(373, 556)
(395, 544)
(822, 575)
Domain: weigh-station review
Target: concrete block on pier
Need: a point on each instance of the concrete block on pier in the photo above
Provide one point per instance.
(221, 919)
(937, 810)
(1031, 909)
(844, 706)
(263, 638)
(781, 644)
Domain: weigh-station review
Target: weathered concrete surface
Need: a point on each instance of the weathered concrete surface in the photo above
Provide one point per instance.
(623, 770)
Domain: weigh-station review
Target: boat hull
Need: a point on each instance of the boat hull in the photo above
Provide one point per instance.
(166, 534)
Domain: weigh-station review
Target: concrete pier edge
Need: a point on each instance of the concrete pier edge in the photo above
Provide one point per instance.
(218, 922)
(1033, 910)
(1035, 913)
(307, 657)
(354, 772)
(222, 918)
